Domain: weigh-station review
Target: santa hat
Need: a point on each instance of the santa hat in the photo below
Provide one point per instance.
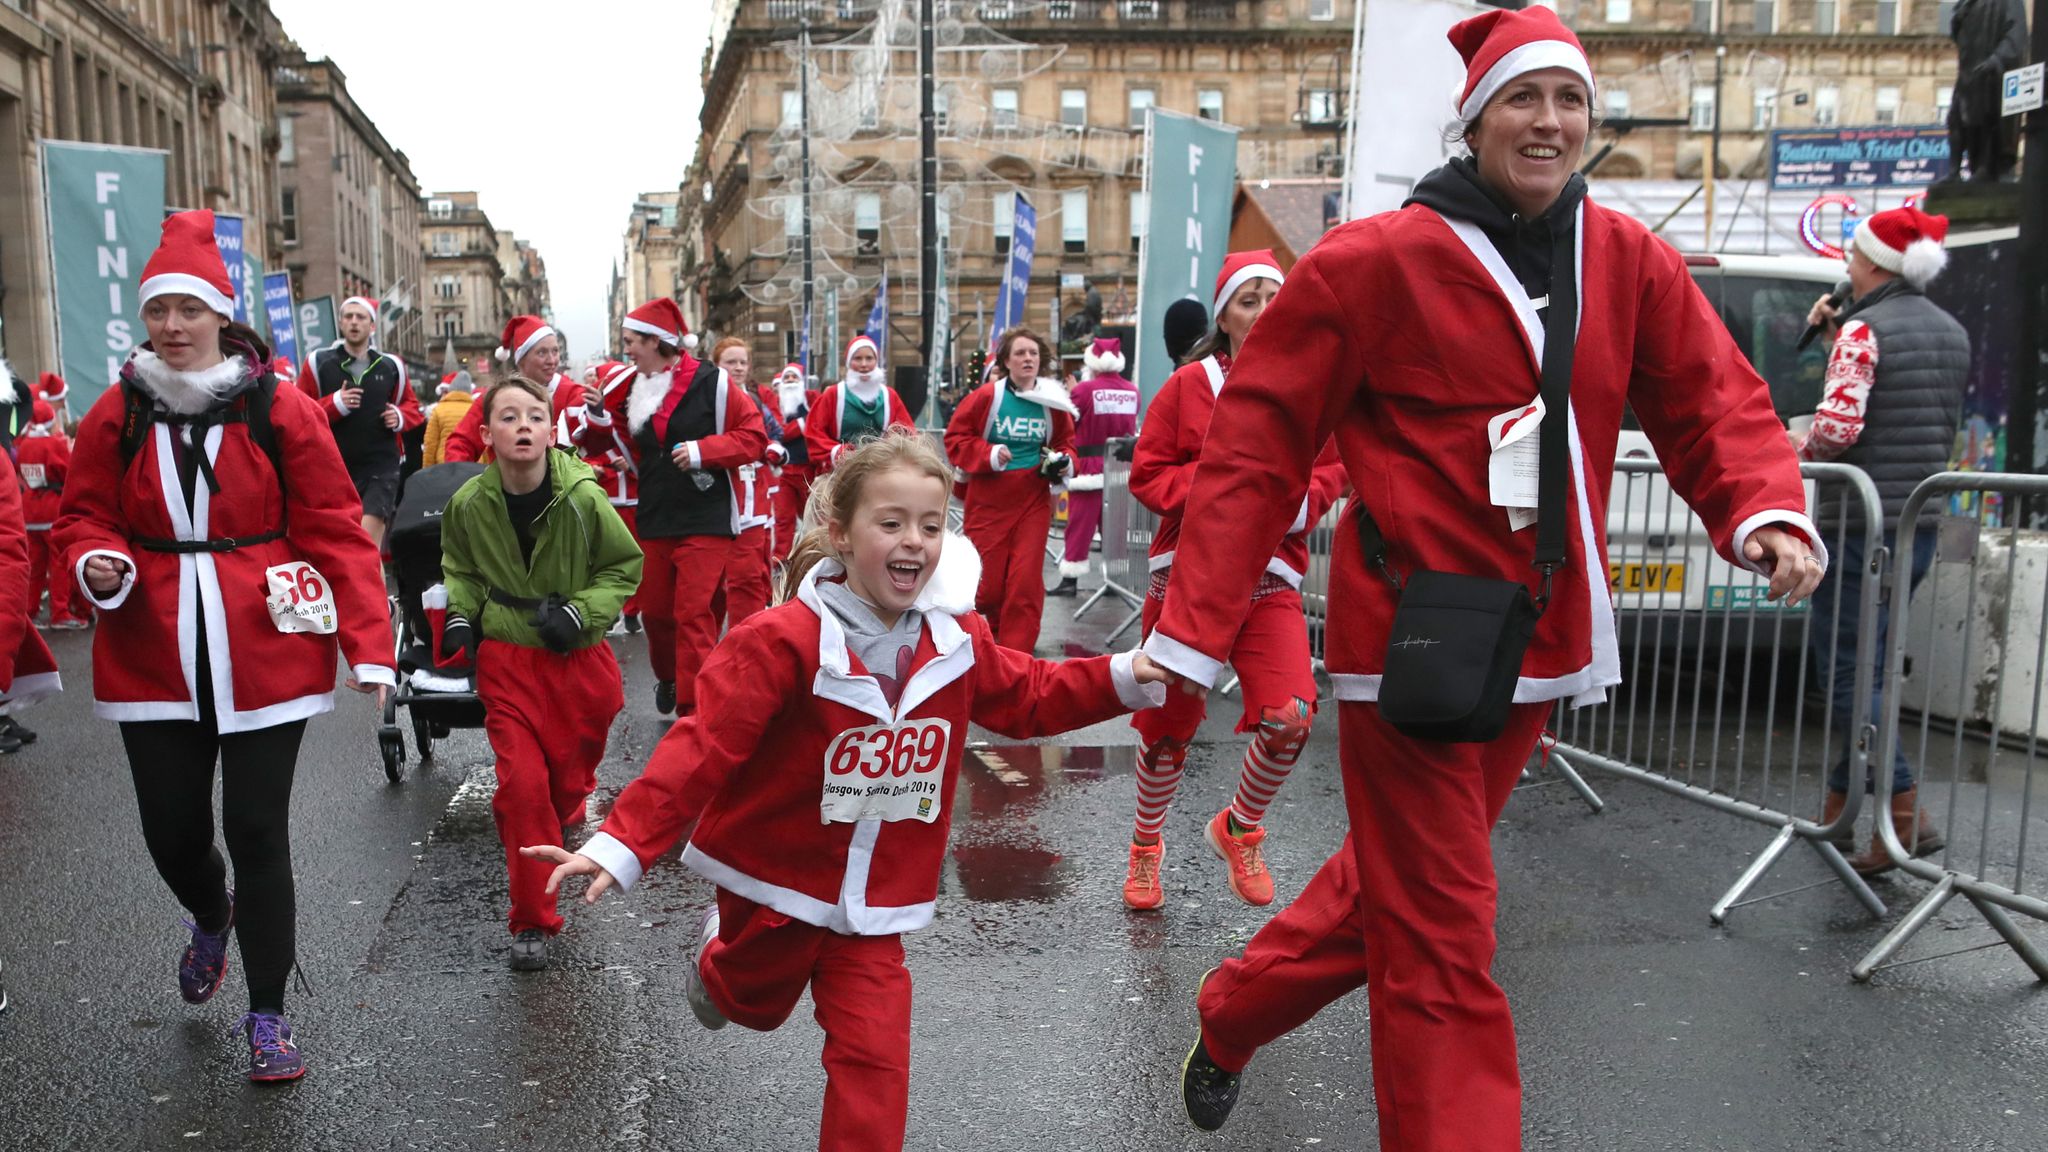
(50, 386)
(521, 334)
(282, 367)
(796, 370)
(611, 374)
(1106, 355)
(860, 341)
(1906, 241)
(365, 303)
(187, 263)
(42, 413)
(661, 319)
(1500, 45)
(1239, 268)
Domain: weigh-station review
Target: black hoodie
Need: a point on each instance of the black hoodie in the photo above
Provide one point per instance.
(1455, 190)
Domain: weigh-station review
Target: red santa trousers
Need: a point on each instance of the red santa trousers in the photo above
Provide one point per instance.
(757, 969)
(1084, 516)
(746, 576)
(1405, 907)
(546, 715)
(1009, 519)
(790, 496)
(679, 586)
(1271, 659)
(630, 514)
(67, 599)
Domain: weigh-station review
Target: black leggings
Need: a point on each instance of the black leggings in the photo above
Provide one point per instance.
(172, 763)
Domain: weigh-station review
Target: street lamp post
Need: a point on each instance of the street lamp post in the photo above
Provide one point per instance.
(803, 87)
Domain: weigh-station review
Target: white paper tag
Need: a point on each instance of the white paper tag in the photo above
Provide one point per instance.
(33, 476)
(300, 600)
(886, 772)
(1514, 470)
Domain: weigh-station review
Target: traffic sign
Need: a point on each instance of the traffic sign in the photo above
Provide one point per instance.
(2022, 90)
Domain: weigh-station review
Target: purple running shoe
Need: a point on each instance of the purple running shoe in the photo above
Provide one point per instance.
(273, 1058)
(205, 962)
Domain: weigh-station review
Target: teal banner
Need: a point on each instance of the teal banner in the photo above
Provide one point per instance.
(316, 324)
(1190, 181)
(106, 212)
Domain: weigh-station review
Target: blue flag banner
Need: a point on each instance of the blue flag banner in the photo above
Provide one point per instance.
(1017, 284)
(227, 232)
(878, 319)
(277, 304)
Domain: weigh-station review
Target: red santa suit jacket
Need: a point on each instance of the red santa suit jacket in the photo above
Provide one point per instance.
(822, 434)
(47, 459)
(786, 717)
(28, 671)
(739, 441)
(261, 676)
(565, 404)
(1402, 335)
(1170, 446)
(605, 447)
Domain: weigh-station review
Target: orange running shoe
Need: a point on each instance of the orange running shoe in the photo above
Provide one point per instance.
(1141, 884)
(1242, 854)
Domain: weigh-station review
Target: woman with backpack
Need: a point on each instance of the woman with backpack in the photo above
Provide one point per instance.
(198, 484)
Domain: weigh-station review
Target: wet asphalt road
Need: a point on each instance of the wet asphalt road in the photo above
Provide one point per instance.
(1047, 1017)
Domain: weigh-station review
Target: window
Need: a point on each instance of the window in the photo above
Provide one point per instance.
(447, 287)
(1887, 17)
(1209, 103)
(1943, 97)
(1324, 106)
(1141, 204)
(998, 9)
(867, 222)
(942, 108)
(1005, 216)
(1617, 103)
(1703, 15)
(287, 145)
(1617, 11)
(1702, 107)
(1003, 103)
(1763, 108)
(440, 209)
(1074, 221)
(1827, 17)
(1059, 10)
(1827, 106)
(792, 216)
(1322, 9)
(1887, 105)
(288, 214)
(1138, 9)
(1141, 99)
(451, 324)
(1766, 17)
(444, 243)
(792, 108)
(1074, 107)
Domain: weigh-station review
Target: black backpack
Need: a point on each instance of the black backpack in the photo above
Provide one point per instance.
(139, 412)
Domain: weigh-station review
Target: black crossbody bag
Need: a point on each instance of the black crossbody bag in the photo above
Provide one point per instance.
(1454, 653)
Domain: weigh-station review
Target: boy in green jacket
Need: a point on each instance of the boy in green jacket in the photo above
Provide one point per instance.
(537, 565)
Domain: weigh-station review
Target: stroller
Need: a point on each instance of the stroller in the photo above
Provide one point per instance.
(440, 699)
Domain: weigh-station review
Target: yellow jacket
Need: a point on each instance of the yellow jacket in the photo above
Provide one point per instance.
(447, 412)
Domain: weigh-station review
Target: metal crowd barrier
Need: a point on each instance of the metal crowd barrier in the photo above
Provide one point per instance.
(1967, 711)
(1714, 703)
(1127, 529)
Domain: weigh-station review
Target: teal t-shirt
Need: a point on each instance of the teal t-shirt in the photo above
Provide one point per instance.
(861, 421)
(1022, 427)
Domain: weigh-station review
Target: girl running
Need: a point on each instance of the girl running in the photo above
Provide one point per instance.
(815, 782)
(537, 566)
(1270, 655)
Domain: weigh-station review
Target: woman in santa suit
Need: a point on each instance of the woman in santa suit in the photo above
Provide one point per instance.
(689, 430)
(1014, 438)
(791, 452)
(611, 458)
(857, 408)
(29, 672)
(534, 350)
(1270, 652)
(1403, 335)
(179, 524)
(745, 590)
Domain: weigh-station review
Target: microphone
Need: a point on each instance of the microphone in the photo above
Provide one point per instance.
(1835, 300)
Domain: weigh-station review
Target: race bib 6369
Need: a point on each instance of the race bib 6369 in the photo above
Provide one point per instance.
(886, 772)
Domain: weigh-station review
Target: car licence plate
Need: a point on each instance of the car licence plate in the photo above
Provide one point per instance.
(1646, 578)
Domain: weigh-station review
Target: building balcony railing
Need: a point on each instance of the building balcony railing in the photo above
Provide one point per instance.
(1033, 13)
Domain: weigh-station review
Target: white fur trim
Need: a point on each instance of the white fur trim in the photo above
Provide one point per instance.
(185, 284)
(1047, 392)
(1531, 57)
(613, 856)
(539, 334)
(1112, 362)
(186, 393)
(1185, 659)
(655, 330)
(1130, 693)
(1238, 280)
(375, 674)
(120, 595)
(1923, 261)
(690, 341)
(1088, 483)
(367, 304)
(646, 397)
(951, 588)
(1073, 569)
(1778, 518)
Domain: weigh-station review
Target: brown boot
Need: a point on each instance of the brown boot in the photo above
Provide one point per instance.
(1917, 832)
(1831, 808)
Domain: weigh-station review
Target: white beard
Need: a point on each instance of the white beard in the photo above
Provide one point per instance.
(645, 399)
(866, 385)
(187, 393)
(790, 392)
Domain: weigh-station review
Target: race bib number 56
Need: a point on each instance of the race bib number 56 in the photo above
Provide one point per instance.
(299, 599)
(886, 772)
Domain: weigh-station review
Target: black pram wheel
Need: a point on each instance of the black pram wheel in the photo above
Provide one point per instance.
(422, 734)
(391, 743)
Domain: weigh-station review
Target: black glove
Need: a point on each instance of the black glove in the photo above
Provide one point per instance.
(458, 637)
(1053, 467)
(559, 624)
(1123, 448)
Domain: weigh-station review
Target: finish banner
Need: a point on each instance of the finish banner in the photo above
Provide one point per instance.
(106, 211)
(1190, 180)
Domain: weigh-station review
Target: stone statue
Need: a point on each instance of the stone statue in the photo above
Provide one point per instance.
(1991, 40)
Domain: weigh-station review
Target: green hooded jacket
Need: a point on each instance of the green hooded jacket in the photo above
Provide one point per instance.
(582, 551)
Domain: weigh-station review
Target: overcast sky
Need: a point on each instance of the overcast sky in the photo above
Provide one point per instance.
(557, 115)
